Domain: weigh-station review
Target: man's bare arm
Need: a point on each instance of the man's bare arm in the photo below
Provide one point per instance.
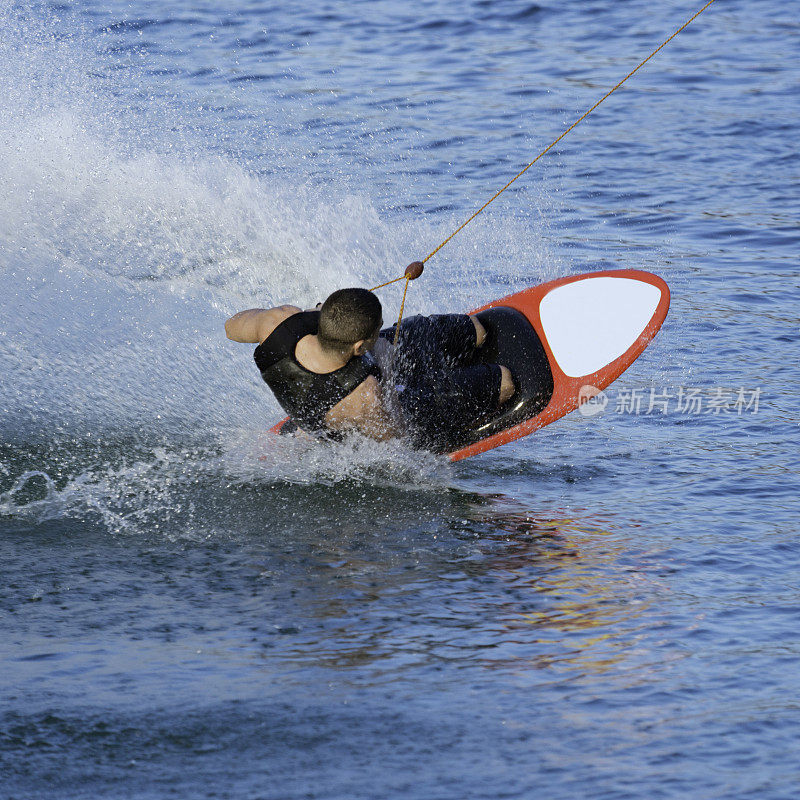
(363, 410)
(256, 324)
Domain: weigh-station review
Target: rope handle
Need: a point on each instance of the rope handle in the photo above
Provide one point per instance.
(413, 271)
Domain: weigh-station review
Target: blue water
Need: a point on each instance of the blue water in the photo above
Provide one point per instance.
(190, 608)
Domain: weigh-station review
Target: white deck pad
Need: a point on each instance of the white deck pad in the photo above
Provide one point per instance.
(589, 323)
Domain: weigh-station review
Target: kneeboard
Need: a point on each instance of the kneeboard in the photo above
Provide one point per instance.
(564, 341)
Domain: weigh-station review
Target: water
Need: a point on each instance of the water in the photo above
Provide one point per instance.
(606, 609)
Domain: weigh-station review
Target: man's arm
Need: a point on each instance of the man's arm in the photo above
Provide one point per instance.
(363, 410)
(256, 324)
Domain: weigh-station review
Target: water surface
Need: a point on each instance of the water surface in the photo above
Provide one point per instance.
(606, 609)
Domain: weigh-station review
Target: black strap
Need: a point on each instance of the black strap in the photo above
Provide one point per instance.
(282, 342)
(305, 395)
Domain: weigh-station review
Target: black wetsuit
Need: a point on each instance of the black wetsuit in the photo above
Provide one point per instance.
(305, 395)
(430, 381)
(439, 387)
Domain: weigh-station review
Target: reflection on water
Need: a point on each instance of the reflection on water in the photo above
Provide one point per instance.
(588, 602)
(343, 558)
(476, 582)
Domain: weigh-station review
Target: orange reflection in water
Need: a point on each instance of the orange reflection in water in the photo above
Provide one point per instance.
(583, 592)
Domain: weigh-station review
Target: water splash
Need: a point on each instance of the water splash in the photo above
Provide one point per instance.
(125, 242)
(197, 493)
(124, 249)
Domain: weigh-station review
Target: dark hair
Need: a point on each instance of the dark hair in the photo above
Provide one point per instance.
(348, 316)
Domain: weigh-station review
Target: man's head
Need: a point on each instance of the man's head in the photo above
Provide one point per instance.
(349, 320)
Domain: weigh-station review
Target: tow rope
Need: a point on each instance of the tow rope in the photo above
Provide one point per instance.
(414, 270)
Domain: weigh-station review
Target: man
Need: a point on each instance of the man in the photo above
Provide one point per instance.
(321, 369)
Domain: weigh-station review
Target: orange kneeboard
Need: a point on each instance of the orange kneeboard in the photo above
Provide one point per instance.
(592, 328)
(564, 341)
